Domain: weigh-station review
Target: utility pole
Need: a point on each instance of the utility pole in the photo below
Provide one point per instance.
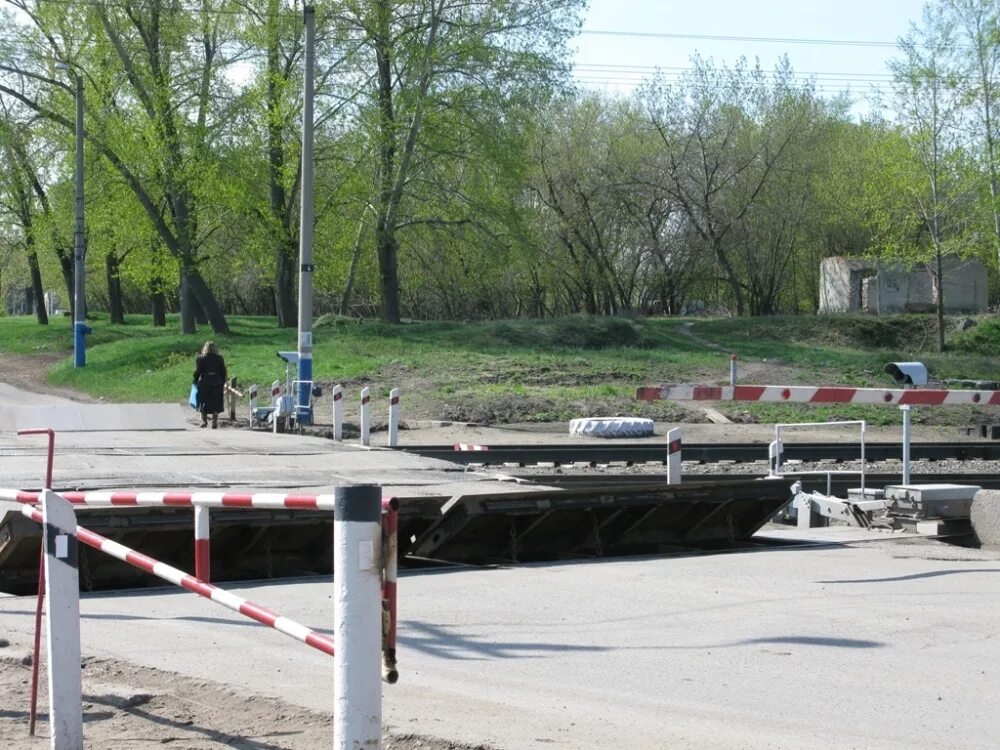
(80, 329)
(303, 410)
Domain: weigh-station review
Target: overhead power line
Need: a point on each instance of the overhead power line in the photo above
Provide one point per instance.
(726, 38)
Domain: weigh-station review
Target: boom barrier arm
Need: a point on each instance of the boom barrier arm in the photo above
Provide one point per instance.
(819, 395)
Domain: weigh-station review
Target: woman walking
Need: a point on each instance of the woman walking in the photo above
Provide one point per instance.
(210, 377)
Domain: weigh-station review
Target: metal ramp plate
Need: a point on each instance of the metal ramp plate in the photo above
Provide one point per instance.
(533, 523)
(593, 522)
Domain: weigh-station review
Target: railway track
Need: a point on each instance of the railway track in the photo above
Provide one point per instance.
(839, 483)
(525, 455)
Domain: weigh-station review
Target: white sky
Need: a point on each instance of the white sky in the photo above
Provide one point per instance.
(616, 63)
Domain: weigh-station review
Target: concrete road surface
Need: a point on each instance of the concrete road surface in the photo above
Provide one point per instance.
(885, 646)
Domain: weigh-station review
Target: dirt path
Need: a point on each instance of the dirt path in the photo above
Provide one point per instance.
(28, 372)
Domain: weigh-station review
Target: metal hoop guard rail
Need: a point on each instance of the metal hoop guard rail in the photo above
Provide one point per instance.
(363, 535)
(198, 584)
(177, 577)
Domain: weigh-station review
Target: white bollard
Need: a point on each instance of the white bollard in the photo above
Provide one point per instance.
(674, 456)
(393, 417)
(62, 626)
(275, 404)
(202, 542)
(732, 369)
(357, 613)
(774, 451)
(338, 413)
(366, 416)
(253, 403)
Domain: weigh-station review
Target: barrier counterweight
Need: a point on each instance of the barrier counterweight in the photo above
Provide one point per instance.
(177, 577)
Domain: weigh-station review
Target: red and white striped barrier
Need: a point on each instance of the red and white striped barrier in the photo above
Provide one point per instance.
(469, 447)
(203, 501)
(390, 557)
(819, 395)
(168, 573)
(184, 499)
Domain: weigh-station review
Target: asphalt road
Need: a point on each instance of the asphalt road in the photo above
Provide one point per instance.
(887, 644)
(830, 647)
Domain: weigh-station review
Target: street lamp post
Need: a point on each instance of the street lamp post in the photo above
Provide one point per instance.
(80, 329)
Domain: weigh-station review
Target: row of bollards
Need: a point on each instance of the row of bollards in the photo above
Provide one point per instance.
(366, 415)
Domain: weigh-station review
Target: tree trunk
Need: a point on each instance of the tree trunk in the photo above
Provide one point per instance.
(388, 251)
(112, 269)
(199, 289)
(285, 300)
(286, 257)
(187, 309)
(41, 311)
(345, 299)
(939, 280)
(159, 307)
(730, 276)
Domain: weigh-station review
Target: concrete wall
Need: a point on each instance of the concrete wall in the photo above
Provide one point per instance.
(840, 284)
(847, 285)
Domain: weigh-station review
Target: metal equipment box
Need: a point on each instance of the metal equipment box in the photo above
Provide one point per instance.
(931, 500)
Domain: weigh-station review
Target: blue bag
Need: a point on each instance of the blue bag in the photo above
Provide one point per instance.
(193, 397)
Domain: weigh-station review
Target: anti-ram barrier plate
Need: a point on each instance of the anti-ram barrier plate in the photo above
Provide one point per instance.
(537, 523)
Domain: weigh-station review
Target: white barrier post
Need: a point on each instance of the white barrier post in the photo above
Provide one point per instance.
(202, 551)
(276, 403)
(774, 451)
(674, 456)
(253, 403)
(338, 413)
(357, 658)
(732, 369)
(62, 589)
(393, 417)
(366, 421)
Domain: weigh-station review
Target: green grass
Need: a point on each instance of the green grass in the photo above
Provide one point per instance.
(527, 370)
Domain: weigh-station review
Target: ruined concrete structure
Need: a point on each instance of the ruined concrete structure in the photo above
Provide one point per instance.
(857, 285)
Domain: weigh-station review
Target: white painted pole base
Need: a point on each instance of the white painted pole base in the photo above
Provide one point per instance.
(366, 416)
(62, 626)
(357, 546)
(674, 456)
(338, 412)
(394, 417)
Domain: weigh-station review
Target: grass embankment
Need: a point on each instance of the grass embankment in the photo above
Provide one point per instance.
(519, 371)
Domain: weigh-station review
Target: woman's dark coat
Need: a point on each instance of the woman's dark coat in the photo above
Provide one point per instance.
(210, 376)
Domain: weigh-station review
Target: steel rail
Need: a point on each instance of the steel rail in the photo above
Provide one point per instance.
(705, 452)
